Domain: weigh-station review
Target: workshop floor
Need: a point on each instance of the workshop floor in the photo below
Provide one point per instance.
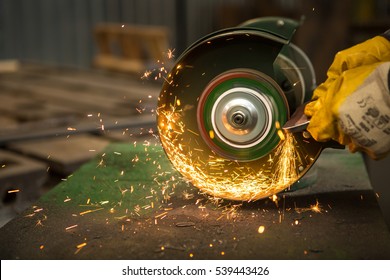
(94, 183)
(116, 207)
(52, 120)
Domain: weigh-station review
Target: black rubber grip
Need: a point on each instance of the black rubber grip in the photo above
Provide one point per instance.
(387, 34)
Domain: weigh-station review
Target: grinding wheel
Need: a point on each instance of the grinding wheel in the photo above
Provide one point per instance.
(221, 110)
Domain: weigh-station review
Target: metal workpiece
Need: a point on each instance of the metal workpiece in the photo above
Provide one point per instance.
(298, 121)
(222, 108)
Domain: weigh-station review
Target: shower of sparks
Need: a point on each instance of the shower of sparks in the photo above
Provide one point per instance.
(229, 211)
(216, 176)
(162, 67)
(224, 178)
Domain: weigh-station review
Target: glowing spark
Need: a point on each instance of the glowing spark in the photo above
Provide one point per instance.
(281, 135)
(316, 208)
(161, 215)
(81, 245)
(222, 253)
(170, 54)
(191, 255)
(193, 132)
(146, 75)
(41, 247)
(13, 191)
(71, 129)
(261, 229)
(187, 196)
(71, 227)
(90, 211)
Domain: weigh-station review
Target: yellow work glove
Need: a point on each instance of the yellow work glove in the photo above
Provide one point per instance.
(353, 105)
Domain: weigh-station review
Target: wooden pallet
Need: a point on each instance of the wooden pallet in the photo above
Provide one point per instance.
(129, 48)
(54, 120)
(39, 102)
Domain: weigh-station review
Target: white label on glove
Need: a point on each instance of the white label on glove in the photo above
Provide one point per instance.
(365, 114)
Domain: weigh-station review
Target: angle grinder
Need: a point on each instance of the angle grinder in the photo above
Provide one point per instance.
(226, 105)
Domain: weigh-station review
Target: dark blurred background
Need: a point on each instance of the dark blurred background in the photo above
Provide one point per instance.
(59, 32)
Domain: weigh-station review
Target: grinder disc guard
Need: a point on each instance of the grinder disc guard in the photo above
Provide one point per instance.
(220, 114)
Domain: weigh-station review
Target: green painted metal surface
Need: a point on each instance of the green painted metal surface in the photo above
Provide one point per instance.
(126, 179)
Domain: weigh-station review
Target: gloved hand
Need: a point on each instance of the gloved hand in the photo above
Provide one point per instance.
(353, 105)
